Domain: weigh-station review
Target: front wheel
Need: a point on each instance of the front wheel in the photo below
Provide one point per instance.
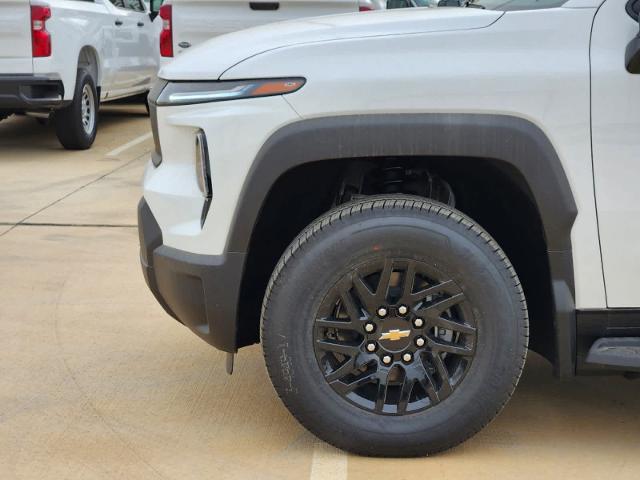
(394, 326)
(77, 123)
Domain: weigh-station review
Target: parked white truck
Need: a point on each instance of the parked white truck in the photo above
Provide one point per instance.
(187, 23)
(62, 57)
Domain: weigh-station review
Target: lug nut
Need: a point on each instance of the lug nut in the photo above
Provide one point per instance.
(369, 327)
(420, 342)
(382, 312)
(407, 357)
(418, 323)
(386, 359)
(402, 310)
(371, 347)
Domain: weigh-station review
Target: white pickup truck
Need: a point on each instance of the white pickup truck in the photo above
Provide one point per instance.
(398, 204)
(187, 23)
(63, 57)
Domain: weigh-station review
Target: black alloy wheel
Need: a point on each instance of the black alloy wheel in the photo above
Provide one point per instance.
(394, 336)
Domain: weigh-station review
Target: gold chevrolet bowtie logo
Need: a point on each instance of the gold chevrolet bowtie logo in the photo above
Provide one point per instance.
(394, 335)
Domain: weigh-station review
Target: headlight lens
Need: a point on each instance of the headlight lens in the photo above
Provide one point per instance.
(188, 93)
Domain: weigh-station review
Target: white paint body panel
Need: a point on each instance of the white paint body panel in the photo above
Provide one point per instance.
(127, 64)
(529, 64)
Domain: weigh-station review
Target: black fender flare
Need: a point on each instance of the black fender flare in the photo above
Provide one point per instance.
(504, 138)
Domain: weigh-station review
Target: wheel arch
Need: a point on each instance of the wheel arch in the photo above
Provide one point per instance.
(516, 143)
(88, 58)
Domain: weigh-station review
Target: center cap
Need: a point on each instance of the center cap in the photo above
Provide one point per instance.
(395, 334)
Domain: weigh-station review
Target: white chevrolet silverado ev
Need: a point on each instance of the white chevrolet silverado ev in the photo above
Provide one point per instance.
(398, 204)
(63, 57)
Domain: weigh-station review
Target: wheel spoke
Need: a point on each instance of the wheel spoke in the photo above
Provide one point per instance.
(383, 386)
(341, 325)
(353, 311)
(342, 371)
(382, 291)
(337, 347)
(447, 324)
(405, 394)
(439, 345)
(409, 279)
(367, 297)
(435, 309)
(346, 388)
(428, 384)
(445, 287)
(445, 387)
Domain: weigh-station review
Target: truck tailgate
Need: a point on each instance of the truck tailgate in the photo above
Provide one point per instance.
(15, 37)
(195, 21)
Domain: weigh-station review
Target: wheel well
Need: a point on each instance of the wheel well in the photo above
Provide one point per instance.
(88, 58)
(491, 192)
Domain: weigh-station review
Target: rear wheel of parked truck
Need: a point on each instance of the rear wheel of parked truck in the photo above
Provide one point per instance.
(394, 326)
(77, 123)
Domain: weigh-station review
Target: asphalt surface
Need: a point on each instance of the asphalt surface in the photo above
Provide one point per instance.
(97, 382)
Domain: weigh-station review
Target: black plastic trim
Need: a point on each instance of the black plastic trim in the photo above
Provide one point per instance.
(618, 353)
(200, 291)
(508, 139)
(603, 323)
(25, 92)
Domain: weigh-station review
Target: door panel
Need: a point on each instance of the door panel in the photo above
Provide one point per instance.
(616, 153)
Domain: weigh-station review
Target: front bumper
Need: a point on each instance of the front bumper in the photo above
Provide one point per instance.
(200, 291)
(30, 92)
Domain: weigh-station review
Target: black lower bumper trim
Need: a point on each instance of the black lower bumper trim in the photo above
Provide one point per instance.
(201, 291)
(24, 92)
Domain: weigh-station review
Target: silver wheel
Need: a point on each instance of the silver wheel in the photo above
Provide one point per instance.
(88, 109)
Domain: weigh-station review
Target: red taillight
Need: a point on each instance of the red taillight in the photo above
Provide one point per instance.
(40, 38)
(166, 35)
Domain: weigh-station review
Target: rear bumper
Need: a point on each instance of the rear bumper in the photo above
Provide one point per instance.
(31, 92)
(200, 291)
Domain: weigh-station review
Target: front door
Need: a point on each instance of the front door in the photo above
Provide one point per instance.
(616, 152)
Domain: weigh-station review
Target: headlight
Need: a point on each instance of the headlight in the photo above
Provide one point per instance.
(187, 93)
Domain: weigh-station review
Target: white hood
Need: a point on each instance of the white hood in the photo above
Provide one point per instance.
(209, 60)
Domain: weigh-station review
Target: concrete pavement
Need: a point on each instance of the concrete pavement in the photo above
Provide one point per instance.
(96, 381)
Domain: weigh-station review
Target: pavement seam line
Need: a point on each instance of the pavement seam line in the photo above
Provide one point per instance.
(53, 224)
(21, 222)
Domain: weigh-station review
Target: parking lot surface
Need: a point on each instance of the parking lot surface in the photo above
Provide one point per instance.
(96, 381)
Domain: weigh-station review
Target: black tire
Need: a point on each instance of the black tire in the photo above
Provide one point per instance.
(72, 132)
(432, 236)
